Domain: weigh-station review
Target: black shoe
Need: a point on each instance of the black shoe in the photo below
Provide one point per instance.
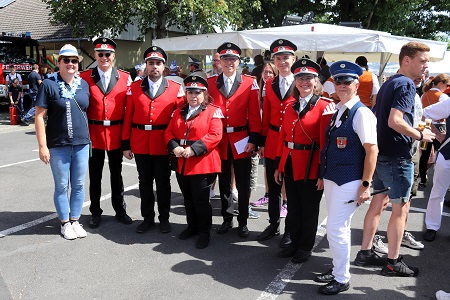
(187, 233)
(372, 259)
(243, 231)
(287, 252)
(165, 227)
(325, 277)
(95, 221)
(301, 256)
(429, 235)
(286, 240)
(333, 288)
(203, 241)
(124, 219)
(226, 225)
(268, 233)
(400, 269)
(145, 226)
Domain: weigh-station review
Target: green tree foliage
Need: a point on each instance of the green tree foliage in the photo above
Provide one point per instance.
(415, 18)
(92, 17)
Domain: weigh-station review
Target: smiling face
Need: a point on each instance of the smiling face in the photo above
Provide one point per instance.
(68, 65)
(284, 62)
(229, 65)
(267, 73)
(344, 91)
(305, 84)
(104, 59)
(195, 97)
(155, 69)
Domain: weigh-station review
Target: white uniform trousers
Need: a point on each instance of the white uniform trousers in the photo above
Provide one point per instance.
(338, 224)
(441, 182)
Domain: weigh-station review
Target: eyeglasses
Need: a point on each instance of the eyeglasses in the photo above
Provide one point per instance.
(107, 54)
(68, 60)
(304, 78)
(347, 83)
(230, 59)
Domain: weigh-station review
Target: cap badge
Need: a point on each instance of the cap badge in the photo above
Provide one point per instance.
(303, 62)
(280, 42)
(104, 40)
(194, 83)
(281, 48)
(304, 69)
(104, 46)
(194, 77)
(229, 51)
(154, 48)
(228, 45)
(342, 66)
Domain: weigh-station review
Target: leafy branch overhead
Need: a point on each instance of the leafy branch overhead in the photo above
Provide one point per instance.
(415, 18)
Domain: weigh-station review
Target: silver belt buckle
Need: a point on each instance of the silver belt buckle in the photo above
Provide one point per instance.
(182, 142)
(148, 127)
(230, 129)
(290, 145)
(106, 123)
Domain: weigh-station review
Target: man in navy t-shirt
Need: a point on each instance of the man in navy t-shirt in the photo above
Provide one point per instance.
(34, 80)
(395, 113)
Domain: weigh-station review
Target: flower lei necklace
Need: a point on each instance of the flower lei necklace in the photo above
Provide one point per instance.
(64, 91)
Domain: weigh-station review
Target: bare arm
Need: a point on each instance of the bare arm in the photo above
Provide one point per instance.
(44, 154)
(397, 123)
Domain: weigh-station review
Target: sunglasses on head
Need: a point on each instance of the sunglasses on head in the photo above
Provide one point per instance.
(107, 54)
(343, 82)
(68, 60)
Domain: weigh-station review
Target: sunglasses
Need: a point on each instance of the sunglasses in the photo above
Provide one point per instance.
(68, 60)
(107, 54)
(347, 83)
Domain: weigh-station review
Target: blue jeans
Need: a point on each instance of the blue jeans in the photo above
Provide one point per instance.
(31, 112)
(69, 163)
(396, 173)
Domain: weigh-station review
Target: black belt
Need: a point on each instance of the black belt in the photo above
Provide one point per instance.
(105, 122)
(149, 127)
(294, 146)
(235, 129)
(275, 128)
(184, 142)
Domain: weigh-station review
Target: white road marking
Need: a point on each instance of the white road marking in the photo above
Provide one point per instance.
(24, 226)
(278, 284)
(18, 163)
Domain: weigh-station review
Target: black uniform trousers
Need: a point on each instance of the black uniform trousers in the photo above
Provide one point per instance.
(304, 203)
(154, 168)
(196, 194)
(274, 192)
(242, 169)
(96, 162)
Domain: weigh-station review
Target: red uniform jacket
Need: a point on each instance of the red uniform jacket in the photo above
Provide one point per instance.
(143, 110)
(272, 116)
(106, 105)
(240, 108)
(202, 132)
(313, 120)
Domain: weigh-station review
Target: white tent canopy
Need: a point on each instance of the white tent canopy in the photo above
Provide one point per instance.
(337, 42)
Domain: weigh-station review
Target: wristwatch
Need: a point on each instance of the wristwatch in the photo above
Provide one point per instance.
(365, 183)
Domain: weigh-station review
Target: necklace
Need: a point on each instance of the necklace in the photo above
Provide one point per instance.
(68, 92)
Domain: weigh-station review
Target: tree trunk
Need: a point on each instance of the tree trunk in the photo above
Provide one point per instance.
(161, 20)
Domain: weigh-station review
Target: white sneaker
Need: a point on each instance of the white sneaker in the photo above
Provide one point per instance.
(441, 295)
(409, 241)
(234, 194)
(68, 232)
(378, 244)
(79, 230)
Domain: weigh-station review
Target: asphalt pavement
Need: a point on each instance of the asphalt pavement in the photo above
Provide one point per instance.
(114, 262)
